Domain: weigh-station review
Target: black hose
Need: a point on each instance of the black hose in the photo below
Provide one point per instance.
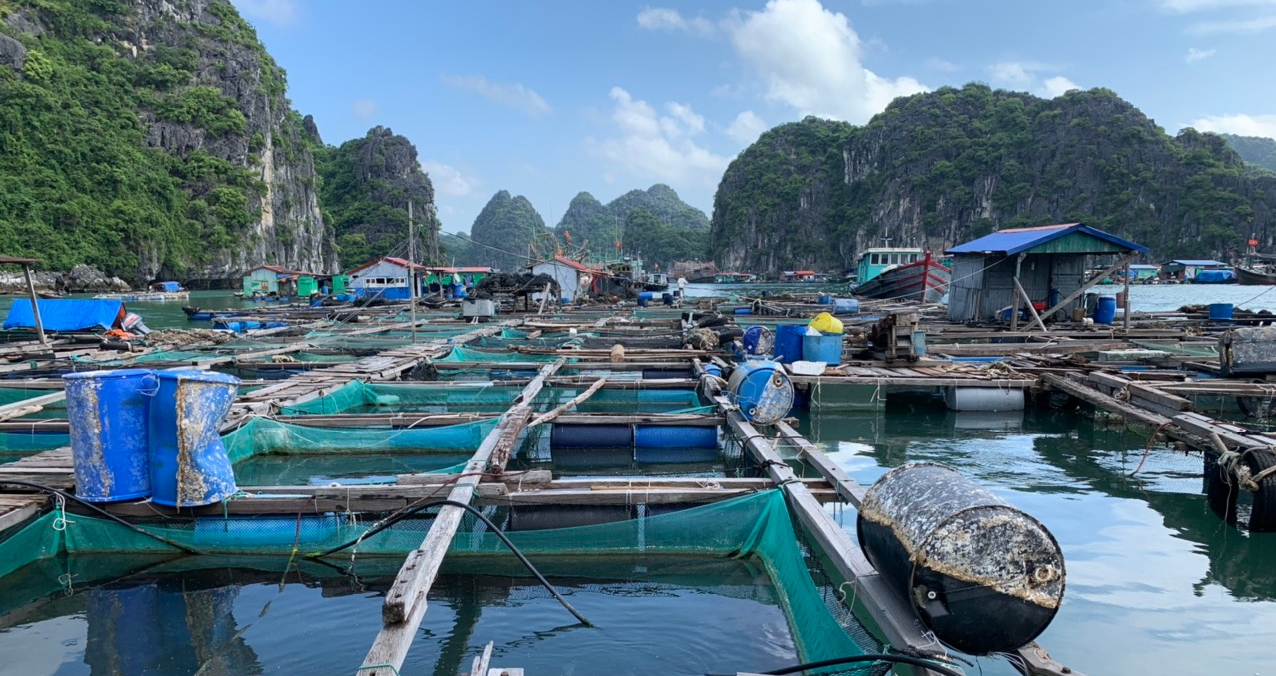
(499, 533)
(98, 510)
(897, 659)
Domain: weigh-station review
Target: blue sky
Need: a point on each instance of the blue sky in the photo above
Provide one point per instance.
(549, 98)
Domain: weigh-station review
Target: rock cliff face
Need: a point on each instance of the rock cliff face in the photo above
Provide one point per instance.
(187, 103)
(937, 169)
(367, 185)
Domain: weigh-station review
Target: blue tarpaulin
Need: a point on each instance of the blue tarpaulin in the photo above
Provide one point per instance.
(170, 286)
(65, 315)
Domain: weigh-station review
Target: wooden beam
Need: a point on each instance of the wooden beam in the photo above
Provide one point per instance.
(35, 306)
(405, 603)
(1035, 317)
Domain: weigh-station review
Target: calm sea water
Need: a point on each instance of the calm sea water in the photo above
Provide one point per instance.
(1157, 583)
(242, 617)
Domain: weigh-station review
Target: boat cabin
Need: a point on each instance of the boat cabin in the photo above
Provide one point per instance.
(877, 260)
(1047, 264)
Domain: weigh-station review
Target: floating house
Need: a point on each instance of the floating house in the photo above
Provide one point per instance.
(574, 279)
(385, 277)
(268, 280)
(1046, 264)
(1187, 269)
(1144, 273)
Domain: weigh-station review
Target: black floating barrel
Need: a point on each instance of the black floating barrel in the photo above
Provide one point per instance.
(982, 575)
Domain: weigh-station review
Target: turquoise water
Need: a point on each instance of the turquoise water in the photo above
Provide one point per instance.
(1157, 583)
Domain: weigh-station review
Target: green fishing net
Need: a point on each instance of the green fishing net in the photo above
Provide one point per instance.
(756, 526)
(263, 436)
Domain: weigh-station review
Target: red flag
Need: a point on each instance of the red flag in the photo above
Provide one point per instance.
(617, 245)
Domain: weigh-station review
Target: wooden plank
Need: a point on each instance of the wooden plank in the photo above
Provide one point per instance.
(1103, 401)
(405, 603)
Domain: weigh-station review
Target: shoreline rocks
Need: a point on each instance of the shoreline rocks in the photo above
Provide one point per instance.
(80, 279)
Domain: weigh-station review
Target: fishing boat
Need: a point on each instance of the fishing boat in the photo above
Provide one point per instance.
(1256, 276)
(925, 280)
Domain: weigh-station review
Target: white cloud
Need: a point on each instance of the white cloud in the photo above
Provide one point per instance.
(1194, 54)
(943, 65)
(514, 96)
(1187, 6)
(809, 58)
(1244, 125)
(1029, 76)
(448, 180)
(1012, 74)
(364, 109)
(1234, 27)
(278, 12)
(658, 147)
(747, 127)
(663, 18)
(1057, 86)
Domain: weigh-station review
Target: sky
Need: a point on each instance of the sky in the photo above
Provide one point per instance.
(550, 98)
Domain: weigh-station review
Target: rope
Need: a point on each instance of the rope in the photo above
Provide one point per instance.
(1148, 449)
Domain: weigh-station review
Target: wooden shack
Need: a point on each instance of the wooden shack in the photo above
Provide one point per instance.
(1044, 265)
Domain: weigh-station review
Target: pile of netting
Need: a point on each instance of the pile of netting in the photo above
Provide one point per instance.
(757, 527)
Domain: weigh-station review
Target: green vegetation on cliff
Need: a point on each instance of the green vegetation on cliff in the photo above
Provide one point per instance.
(133, 139)
(367, 184)
(1259, 151)
(944, 167)
(503, 231)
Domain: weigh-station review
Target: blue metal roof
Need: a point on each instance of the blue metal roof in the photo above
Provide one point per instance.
(1016, 240)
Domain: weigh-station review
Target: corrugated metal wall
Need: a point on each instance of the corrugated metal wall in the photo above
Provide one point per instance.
(978, 293)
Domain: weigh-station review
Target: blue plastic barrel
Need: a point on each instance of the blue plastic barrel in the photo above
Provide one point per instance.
(762, 390)
(1105, 310)
(677, 436)
(752, 338)
(1221, 311)
(189, 465)
(827, 349)
(743, 311)
(788, 343)
(713, 370)
(108, 412)
(846, 306)
(824, 299)
(458, 291)
(643, 300)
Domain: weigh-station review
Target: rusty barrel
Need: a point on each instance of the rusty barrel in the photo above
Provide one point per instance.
(189, 464)
(982, 575)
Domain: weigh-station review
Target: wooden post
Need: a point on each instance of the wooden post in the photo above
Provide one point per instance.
(1035, 317)
(412, 271)
(35, 305)
(1014, 307)
(1126, 319)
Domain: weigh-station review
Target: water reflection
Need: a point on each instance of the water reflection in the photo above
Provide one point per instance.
(1054, 452)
